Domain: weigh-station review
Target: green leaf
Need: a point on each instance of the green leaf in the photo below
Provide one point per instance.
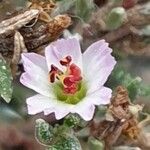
(44, 132)
(72, 120)
(133, 84)
(55, 138)
(67, 143)
(5, 81)
(84, 8)
(115, 18)
(95, 144)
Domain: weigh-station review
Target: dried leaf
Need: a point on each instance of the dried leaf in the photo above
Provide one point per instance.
(19, 46)
(131, 128)
(58, 24)
(45, 7)
(18, 21)
(120, 120)
(121, 97)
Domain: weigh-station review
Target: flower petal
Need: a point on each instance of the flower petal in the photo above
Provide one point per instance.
(36, 74)
(39, 103)
(60, 109)
(100, 97)
(62, 48)
(97, 70)
(32, 59)
(84, 109)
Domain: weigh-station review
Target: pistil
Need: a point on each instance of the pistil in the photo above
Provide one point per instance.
(70, 78)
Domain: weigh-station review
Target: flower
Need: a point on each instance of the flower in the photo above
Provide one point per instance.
(67, 80)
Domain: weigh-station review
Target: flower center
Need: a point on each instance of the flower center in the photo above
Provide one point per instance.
(70, 78)
(70, 98)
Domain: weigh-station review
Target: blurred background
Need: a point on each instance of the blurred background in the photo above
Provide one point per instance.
(125, 24)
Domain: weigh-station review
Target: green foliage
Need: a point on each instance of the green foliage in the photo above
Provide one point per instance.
(44, 132)
(72, 121)
(115, 18)
(84, 8)
(133, 84)
(57, 137)
(94, 144)
(66, 143)
(5, 81)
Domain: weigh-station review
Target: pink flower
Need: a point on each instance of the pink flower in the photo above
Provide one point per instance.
(67, 80)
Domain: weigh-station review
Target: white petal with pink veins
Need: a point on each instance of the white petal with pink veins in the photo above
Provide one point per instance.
(36, 75)
(97, 65)
(84, 109)
(100, 97)
(62, 48)
(39, 103)
(32, 59)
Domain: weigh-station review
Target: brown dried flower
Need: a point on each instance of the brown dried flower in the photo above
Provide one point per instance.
(44, 6)
(120, 120)
(58, 24)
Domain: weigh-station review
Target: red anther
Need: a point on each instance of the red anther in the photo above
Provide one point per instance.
(54, 70)
(68, 81)
(69, 59)
(52, 77)
(66, 61)
(76, 72)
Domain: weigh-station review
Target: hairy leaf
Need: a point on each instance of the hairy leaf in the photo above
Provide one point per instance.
(69, 143)
(44, 132)
(5, 81)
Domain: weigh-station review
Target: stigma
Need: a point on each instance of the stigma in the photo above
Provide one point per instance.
(70, 78)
